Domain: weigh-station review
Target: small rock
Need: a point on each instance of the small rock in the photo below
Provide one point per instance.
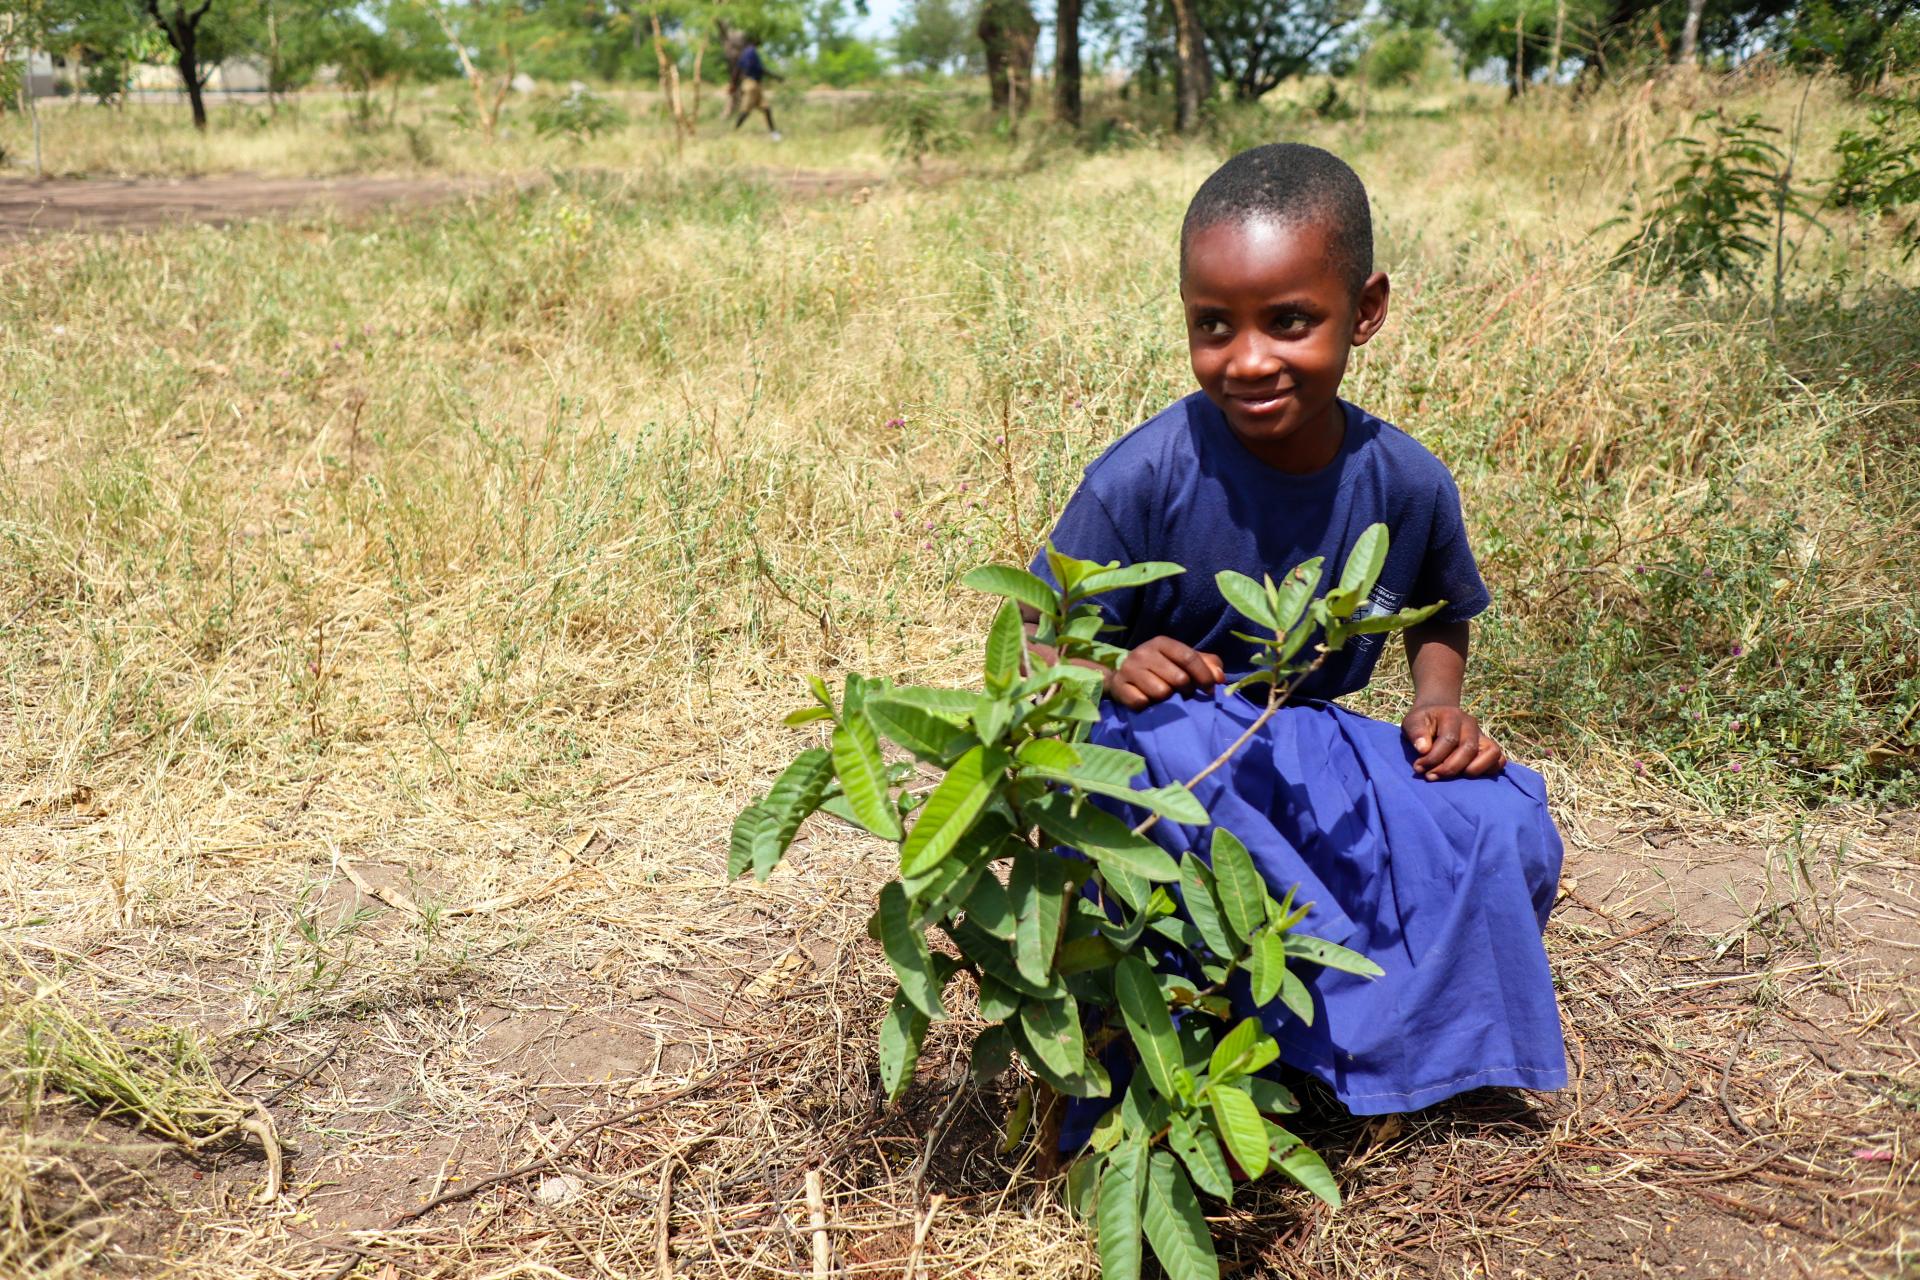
(561, 1189)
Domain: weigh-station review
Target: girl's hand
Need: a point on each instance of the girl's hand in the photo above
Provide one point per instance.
(1450, 744)
(1160, 668)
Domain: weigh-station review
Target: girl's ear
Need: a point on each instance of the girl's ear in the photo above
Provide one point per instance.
(1370, 313)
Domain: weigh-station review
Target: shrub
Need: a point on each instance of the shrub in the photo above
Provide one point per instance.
(919, 123)
(582, 114)
(1058, 946)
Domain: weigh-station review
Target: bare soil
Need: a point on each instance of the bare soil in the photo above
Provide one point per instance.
(1740, 1018)
(135, 204)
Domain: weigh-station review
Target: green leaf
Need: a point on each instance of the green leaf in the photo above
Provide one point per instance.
(907, 952)
(820, 692)
(1132, 575)
(805, 715)
(1102, 837)
(1240, 1126)
(746, 836)
(1304, 1165)
(1295, 593)
(795, 794)
(1068, 571)
(1364, 562)
(931, 737)
(1196, 891)
(1006, 645)
(1294, 994)
(1272, 1099)
(1200, 1152)
(1144, 1010)
(1332, 955)
(1174, 1225)
(1036, 889)
(1242, 1051)
(1393, 621)
(1017, 1120)
(995, 960)
(856, 759)
(901, 1032)
(1242, 891)
(1016, 584)
(991, 717)
(949, 704)
(989, 907)
(997, 1001)
(1266, 965)
(951, 809)
(1090, 1081)
(1052, 1027)
(1117, 1222)
(1049, 754)
(1084, 955)
(992, 1051)
(1246, 595)
(1172, 802)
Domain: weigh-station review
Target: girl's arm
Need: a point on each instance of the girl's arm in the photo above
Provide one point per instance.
(1448, 741)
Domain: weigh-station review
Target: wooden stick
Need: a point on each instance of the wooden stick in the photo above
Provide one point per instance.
(662, 1251)
(817, 1219)
(914, 1269)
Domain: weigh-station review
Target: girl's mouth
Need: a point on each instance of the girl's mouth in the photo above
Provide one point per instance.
(1262, 403)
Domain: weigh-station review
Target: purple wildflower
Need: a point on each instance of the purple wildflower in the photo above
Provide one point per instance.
(1739, 650)
(1735, 766)
(896, 422)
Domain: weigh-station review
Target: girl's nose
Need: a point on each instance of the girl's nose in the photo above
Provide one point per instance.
(1252, 359)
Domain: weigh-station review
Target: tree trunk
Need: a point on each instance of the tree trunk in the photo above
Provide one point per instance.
(1559, 35)
(1066, 62)
(1193, 73)
(1519, 84)
(189, 64)
(1020, 46)
(1690, 34)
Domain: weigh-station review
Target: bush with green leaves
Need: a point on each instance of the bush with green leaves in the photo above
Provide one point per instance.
(919, 123)
(1716, 213)
(1879, 170)
(582, 114)
(1061, 947)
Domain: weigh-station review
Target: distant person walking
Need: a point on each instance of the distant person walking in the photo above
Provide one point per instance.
(753, 97)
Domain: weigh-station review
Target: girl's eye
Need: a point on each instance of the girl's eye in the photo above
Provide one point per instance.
(1211, 327)
(1292, 322)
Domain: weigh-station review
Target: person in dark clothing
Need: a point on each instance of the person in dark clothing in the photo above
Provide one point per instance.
(753, 96)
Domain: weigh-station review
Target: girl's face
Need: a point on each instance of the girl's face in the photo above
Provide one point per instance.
(1270, 320)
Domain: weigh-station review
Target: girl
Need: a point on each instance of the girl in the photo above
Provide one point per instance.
(1420, 846)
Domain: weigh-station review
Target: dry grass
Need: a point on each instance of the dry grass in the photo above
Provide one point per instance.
(393, 615)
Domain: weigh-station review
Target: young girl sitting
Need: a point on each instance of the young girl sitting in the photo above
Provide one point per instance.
(1420, 846)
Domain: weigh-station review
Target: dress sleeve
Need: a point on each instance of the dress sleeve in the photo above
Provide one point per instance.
(1088, 531)
(1449, 571)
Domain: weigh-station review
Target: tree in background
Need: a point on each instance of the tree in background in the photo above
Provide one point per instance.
(1066, 62)
(1008, 31)
(935, 36)
(1258, 43)
(180, 22)
(1192, 66)
(1866, 41)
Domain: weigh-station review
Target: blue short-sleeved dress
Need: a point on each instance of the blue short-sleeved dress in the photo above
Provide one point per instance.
(1446, 885)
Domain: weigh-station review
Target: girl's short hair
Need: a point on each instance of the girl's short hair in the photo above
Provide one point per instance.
(1289, 183)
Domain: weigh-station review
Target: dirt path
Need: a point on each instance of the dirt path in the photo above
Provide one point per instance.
(127, 204)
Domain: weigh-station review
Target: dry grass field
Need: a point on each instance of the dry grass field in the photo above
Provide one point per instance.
(395, 610)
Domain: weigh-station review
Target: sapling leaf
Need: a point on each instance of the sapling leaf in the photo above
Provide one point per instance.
(1172, 802)
(1266, 965)
(805, 715)
(1203, 909)
(1090, 1081)
(901, 1032)
(995, 959)
(821, 693)
(1364, 562)
(1246, 595)
(1242, 891)
(1201, 1153)
(1144, 1011)
(907, 952)
(1132, 575)
(796, 793)
(992, 1052)
(1052, 1027)
(746, 834)
(949, 704)
(1006, 646)
(1240, 1127)
(1016, 584)
(1017, 1120)
(951, 808)
(1117, 1220)
(1107, 1131)
(1240, 1052)
(1393, 621)
(856, 759)
(991, 719)
(1068, 571)
(1102, 837)
(989, 907)
(1174, 1224)
(1332, 955)
(998, 1002)
(1294, 994)
(1083, 955)
(1304, 1165)
(1273, 1099)
(930, 736)
(1036, 889)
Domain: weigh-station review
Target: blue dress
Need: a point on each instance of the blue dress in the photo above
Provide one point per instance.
(1445, 885)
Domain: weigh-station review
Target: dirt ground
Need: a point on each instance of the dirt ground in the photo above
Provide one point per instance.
(1741, 1026)
(108, 204)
